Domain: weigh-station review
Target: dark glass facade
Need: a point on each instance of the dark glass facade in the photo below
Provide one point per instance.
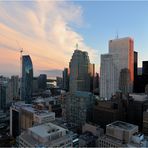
(145, 68)
(27, 79)
(65, 79)
(42, 81)
(15, 124)
(2, 97)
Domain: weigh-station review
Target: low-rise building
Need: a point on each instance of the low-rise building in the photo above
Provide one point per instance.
(47, 134)
(87, 139)
(94, 129)
(24, 116)
(122, 134)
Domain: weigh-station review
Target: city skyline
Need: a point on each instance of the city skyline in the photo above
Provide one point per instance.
(49, 30)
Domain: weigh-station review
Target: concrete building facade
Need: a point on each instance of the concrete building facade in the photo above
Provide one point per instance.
(24, 116)
(123, 52)
(108, 75)
(124, 48)
(46, 135)
(122, 134)
(79, 71)
(79, 107)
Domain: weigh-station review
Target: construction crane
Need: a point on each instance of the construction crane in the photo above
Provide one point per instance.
(20, 49)
(21, 53)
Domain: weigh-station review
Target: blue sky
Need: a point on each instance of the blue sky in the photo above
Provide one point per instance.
(102, 21)
(49, 30)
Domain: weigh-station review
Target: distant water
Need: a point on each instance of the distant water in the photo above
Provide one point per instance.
(49, 77)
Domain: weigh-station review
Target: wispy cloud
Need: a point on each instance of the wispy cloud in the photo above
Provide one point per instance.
(43, 30)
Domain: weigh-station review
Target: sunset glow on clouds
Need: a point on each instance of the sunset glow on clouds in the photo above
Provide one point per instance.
(43, 30)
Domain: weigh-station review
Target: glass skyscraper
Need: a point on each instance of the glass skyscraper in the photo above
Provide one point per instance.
(27, 79)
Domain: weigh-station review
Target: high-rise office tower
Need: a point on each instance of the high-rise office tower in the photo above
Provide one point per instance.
(135, 64)
(135, 71)
(59, 81)
(79, 71)
(124, 80)
(79, 107)
(108, 76)
(123, 51)
(9, 91)
(97, 81)
(145, 68)
(65, 79)
(27, 79)
(42, 81)
(2, 95)
(92, 76)
(15, 87)
(35, 85)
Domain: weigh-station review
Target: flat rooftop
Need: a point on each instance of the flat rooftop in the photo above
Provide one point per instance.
(18, 105)
(46, 130)
(122, 125)
(44, 113)
(139, 97)
(82, 94)
(30, 108)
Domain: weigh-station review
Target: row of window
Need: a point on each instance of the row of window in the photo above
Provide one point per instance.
(102, 143)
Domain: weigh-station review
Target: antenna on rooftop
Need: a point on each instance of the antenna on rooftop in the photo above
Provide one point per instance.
(117, 34)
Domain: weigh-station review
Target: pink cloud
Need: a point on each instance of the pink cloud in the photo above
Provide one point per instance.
(43, 32)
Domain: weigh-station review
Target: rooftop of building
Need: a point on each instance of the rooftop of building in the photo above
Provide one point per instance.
(44, 113)
(122, 125)
(47, 99)
(30, 108)
(139, 97)
(123, 38)
(35, 142)
(45, 130)
(87, 135)
(80, 51)
(111, 140)
(20, 104)
(82, 93)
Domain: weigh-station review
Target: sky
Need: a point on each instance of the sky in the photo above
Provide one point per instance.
(49, 30)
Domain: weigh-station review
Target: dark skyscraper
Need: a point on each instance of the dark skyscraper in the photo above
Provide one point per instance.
(92, 76)
(79, 71)
(65, 79)
(2, 96)
(124, 81)
(27, 79)
(135, 64)
(141, 81)
(135, 70)
(42, 81)
(145, 68)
